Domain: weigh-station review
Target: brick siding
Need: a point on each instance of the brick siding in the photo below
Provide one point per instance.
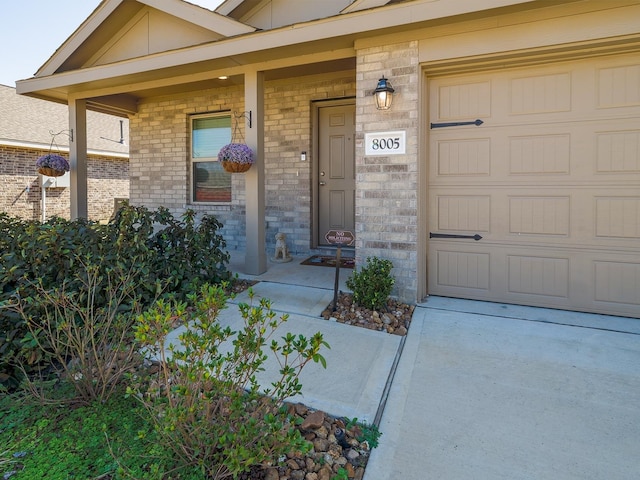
(387, 186)
(108, 178)
(160, 155)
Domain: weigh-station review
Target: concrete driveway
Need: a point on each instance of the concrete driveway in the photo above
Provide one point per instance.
(491, 391)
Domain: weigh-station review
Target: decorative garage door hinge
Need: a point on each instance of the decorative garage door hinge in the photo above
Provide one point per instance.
(476, 237)
(477, 123)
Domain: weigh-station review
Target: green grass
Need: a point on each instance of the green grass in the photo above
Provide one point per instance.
(62, 441)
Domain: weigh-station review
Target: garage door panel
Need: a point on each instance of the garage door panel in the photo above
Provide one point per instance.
(618, 217)
(538, 275)
(526, 275)
(539, 215)
(550, 180)
(459, 269)
(533, 154)
(540, 154)
(618, 152)
(618, 86)
(457, 101)
(464, 213)
(463, 156)
(562, 216)
(536, 94)
(617, 282)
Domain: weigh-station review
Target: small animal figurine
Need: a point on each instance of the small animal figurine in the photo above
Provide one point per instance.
(282, 252)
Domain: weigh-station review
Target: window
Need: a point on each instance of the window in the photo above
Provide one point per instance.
(208, 135)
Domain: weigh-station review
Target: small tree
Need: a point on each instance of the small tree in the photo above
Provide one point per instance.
(205, 399)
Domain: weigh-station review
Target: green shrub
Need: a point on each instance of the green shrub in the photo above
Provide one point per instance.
(371, 286)
(90, 345)
(205, 400)
(162, 255)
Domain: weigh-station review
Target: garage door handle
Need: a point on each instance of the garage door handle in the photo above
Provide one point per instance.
(476, 237)
(477, 123)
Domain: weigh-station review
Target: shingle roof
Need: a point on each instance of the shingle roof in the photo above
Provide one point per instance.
(28, 121)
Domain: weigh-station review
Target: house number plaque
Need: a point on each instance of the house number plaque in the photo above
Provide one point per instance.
(385, 143)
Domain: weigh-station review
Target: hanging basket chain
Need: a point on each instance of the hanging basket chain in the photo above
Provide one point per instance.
(237, 136)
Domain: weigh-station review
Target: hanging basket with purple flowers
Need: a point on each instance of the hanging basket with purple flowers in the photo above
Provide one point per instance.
(236, 157)
(52, 165)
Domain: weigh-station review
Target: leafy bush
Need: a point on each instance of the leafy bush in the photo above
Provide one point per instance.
(161, 255)
(90, 345)
(371, 286)
(205, 400)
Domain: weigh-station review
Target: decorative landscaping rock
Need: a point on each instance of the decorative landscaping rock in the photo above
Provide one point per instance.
(327, 457)
(313, 421)
(395, 320)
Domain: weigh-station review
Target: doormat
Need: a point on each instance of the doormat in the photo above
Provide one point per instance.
(329, 261)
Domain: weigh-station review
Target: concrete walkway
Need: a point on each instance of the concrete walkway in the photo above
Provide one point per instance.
(359, 361)
(490, 391)
(481, 390)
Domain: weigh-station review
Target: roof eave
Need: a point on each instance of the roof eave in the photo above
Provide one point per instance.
(220, 24)
(59, 86)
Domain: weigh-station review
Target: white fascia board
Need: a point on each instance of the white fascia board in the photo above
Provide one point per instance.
(340, 25)
(363, 5)
(99, 15)
(107, 153)
(226, 7)
(21, 144)
(200, 16)
(46, 146)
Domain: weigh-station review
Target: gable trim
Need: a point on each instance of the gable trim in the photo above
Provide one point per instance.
(82, 33)
(363, 5)
(200, 16)
(226, 7)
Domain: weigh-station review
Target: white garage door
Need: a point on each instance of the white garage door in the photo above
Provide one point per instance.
(550, 181)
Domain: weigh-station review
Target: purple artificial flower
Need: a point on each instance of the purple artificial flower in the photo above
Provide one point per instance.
(236, 152)
(53, 160)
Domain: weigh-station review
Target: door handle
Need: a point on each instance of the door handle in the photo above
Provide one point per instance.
(476, 237)
(323, 183)
(477, 123)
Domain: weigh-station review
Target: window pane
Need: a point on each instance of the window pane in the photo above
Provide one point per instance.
(211, 183)
(210, 135)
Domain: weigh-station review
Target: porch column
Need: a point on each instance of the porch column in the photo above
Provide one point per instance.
(78, 158)
(256, 256)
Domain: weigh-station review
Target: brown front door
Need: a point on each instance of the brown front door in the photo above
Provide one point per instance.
(336, 170)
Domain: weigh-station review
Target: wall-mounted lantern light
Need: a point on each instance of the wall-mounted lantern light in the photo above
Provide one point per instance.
(383, 94)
